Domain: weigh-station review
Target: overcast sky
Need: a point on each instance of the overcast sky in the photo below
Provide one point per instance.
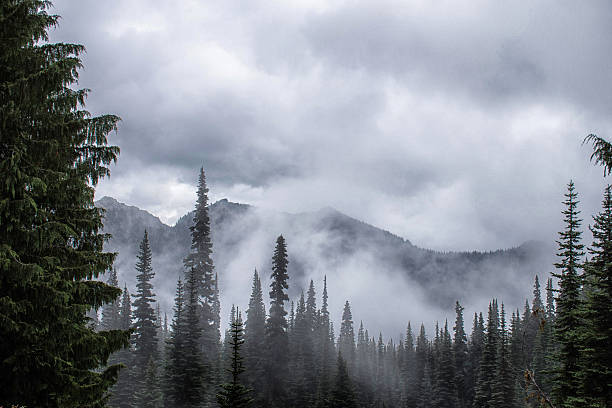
(453, 124)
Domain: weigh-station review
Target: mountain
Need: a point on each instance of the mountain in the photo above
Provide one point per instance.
(365, 264)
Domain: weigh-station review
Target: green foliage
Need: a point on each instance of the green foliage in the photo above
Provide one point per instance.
(602, 152)
(235, 394)
(566, 385)
(52, 154)
(596, 350)
(342, 395)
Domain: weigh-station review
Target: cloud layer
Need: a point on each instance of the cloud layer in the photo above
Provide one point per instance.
(456, 126)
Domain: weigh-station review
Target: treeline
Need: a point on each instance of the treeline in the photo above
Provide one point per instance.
(291, 355)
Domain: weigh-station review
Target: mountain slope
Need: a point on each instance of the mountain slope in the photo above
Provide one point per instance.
(360, 260)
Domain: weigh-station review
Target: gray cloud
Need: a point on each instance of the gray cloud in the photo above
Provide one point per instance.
(455, 126)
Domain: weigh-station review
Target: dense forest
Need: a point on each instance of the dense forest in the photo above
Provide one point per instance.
(54, 352)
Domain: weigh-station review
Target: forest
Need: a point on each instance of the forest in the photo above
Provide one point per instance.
(56, 280)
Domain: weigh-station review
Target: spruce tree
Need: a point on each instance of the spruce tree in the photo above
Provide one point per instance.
(235, 394)
(596, 341)
(122, 391)
(198, 376)
(175, 391)
(53, 154)
(475, 348)
(145, 331)
(276, 328)
(566, 384)
(409, 368)
(325, 348)
(446, 395)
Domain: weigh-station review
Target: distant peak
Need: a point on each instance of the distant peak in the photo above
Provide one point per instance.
(106, 200)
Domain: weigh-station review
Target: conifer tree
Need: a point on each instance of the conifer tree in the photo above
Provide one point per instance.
(488, 363)
(111, 315)
(302, 358)
(346, 339)
(446, 395)
(503, 391)
(235, 394)
(460, 355)
(325, 348)
(150, 395)
(276, 328)
(566, 385)
(343, 394)
(122, 391)
(254, 337)
(409, 368)
(200, 261)
(596, 349)
(421, 356)
(176, 392)
(53, 154)
(145, 331)
(475, 348)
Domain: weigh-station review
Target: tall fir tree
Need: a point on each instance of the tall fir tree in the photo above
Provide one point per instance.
(53, 154)
(475, 349)
(446, 395)
(460, 355)
(111, 314)
(235, 394)
(596, 343)
(200, 261)
(342, 395)
(145, 331)
(346, 339)
(488, 362)
(503, 390)
(276, 328)
(568, 323)
(254, 340)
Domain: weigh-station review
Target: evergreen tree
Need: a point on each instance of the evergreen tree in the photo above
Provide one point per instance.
(302, 358)
(150, 395)
(342, 395)
(446, 395)
(276, 328)
(503, 391)
(145, 332)
(254, 336)
(325, 348)
(475, 348)
(197, 374)
(421, 356)
(199, 260)
(460, 355)
(111, 315)
(346, 340)
(122, 391)
(566, 385)
(53, 154)
(488, 363)
(409, 368)
(175, 392)
(596, 352)
(235, 394)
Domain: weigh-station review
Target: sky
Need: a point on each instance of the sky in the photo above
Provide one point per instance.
(456, 125)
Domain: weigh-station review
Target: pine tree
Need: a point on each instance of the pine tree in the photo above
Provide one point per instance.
(200, 262)
(53, 154)
(254, 337)
(197, 379)
(346, 340)
(302, 358)
(342, 395)
(276, 328)
(596, 349)
(325, 348)
(409, 368)
(145, 332)
(421, 356)
(235, 394)
(566, 385)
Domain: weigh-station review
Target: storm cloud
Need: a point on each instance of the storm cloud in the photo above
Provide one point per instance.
(454, 125)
